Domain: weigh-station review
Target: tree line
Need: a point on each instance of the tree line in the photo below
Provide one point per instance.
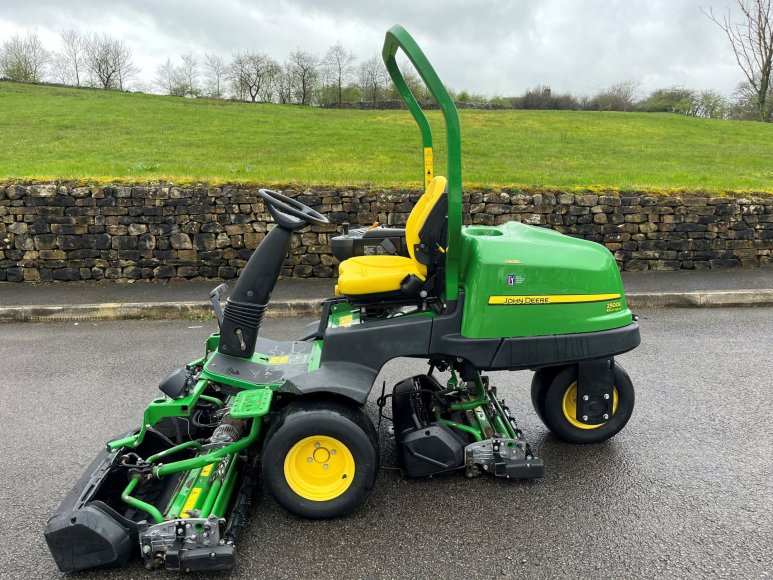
(337, 79)
(105, 62)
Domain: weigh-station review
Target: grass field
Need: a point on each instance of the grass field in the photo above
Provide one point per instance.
(53, 133)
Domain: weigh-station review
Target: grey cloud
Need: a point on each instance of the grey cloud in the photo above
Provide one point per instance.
(492, 47)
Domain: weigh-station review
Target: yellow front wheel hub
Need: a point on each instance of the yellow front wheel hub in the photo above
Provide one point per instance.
(570, 407)
(319, 468)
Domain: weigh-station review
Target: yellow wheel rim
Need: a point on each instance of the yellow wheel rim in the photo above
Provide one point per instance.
(319, 468)
(570, 407)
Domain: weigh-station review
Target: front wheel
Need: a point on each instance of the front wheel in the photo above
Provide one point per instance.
(560, 408)
(320, 459)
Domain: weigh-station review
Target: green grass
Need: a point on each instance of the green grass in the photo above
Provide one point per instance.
(49, 133)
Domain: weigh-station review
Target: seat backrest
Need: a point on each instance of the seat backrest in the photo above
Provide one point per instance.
(421, 211)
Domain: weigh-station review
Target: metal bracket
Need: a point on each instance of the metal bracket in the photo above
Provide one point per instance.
(595, 391)
(502, 457)
(162, 543)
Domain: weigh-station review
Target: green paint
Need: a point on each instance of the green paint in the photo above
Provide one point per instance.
(508, 428)
(133, 501)
(181, 493)
(209, 372)
(220, 486)
(252, 403)
(481, 399)
(398, 38)
(343, 314)
(226, 491)
(214, 400)
(466, 428)
(212, 456)
(213, 341)
(159, 409)
(542, 262)
(316, 354)
(175, 449)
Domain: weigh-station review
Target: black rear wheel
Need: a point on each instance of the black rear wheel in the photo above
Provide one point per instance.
(560, 408)
(539, 386)
(320, 458)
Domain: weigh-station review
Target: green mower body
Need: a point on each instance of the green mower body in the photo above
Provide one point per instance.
(177, 489)
(522, 280)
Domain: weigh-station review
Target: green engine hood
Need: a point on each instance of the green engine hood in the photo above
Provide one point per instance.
(522, 280)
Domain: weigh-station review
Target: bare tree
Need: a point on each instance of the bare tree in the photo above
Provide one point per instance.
(24, 59)
(215, 73)
(72, 56)
(618, 97)
(284, 84)
(170, 80)
(304, 72)
(124, 65)
(109, 61)
(373, 78)
(752, 42)
(252, 76)
(189, 72)
(59, 69)
(338, 67)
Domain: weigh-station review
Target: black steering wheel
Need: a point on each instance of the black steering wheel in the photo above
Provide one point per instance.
(285, 208)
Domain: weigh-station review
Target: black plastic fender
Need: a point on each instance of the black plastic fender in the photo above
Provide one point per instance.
(88, 534)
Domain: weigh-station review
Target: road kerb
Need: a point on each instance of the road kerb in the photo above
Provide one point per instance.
(311, 307)
(701, 299)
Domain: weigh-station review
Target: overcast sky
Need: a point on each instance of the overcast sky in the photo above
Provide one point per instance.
(488, 46)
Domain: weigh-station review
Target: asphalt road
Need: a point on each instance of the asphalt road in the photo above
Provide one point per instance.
(684, 491)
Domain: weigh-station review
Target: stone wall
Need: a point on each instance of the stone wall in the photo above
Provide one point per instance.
(69, 232)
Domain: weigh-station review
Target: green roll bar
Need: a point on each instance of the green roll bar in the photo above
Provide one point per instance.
(398, 37)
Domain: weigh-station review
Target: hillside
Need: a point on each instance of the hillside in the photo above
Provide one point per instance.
(53, 133)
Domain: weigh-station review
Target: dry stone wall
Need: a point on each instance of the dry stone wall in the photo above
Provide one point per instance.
(70, 232)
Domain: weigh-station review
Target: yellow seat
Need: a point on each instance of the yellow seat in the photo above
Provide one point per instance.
(378, 274)
(375, 274)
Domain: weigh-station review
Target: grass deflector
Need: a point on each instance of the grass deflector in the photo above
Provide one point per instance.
(177, 489)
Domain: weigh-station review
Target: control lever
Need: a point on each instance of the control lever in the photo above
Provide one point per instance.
(214, 297)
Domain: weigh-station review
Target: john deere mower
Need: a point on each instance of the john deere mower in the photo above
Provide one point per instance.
(176, 490)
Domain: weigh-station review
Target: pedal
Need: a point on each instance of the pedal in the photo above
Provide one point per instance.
(251, 403)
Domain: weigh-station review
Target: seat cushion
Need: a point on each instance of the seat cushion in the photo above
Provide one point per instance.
(374, 274)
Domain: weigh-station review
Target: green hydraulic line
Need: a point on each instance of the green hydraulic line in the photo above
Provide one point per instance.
(206, 509)
(501, 412)
(453, 381)
(217, 488)
(213, 456)
(139, 504)
(470, 405)
(213, 400)
(499, 424)
(467, 429)
(221, 503)
(197, 362)
(175, 449)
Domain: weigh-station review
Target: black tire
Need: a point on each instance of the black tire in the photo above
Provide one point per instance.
(556, 419)
(539, 386)
(349, 430)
